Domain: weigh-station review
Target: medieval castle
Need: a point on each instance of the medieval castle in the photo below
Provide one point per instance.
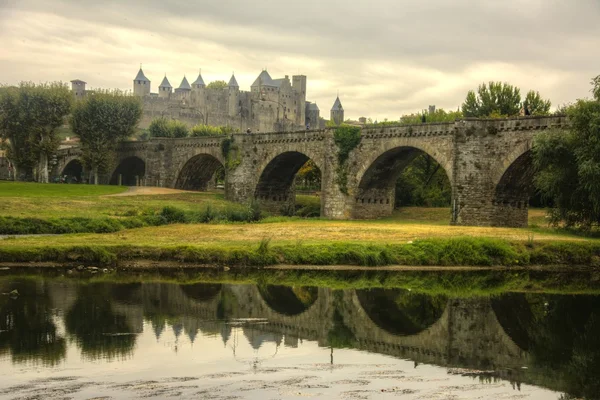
(271, 105)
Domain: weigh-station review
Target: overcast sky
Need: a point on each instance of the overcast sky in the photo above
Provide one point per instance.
(385, 57)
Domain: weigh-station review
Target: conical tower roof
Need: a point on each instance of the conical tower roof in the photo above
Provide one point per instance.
(185, 84)
(233, 82)
(264, 79)
(337, 106)
(199, 81)
(140, 76)
(165, 83)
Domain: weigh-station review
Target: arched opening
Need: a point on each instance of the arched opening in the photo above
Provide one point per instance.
(201, 291)
(202, 172)
(403, 176)
(276, 189)
(511, 197)
(289, 300)
(401, 312)
(73, 172)
(131, 171)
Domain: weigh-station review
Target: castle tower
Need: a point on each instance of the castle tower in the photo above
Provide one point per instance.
(198, 92)
(337, 112)
(141, 84)
(312, 115)
(165, 88)
(78, 88)
(299, 85)
(184, 89)
(233, 97)
(198, 83)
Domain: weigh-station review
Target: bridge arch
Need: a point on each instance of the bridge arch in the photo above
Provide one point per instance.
(376, 179)
(73, 169)
(201, 292)
(132, 171)
(401, 312)
(198, 172)
(287, 300)
(512, 190)
(275, 187)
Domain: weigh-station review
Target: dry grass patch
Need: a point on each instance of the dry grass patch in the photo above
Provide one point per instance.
(309, 232)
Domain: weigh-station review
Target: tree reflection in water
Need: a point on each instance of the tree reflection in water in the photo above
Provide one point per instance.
(289, 300)
(561, 334)
(100, 331)
(27, 328)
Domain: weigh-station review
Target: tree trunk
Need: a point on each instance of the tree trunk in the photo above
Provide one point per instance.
(95, 175)
(43, 168)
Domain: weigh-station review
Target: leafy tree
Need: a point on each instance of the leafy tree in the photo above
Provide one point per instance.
(568, 167)
(495, 98)
(159, 127)
(30, 116)
(208, 130)
(536, 105)
(217, 85)
(309, 176)
(101, 121)
(179, 129)
(423, 183)
(440, 115)
(168, 128)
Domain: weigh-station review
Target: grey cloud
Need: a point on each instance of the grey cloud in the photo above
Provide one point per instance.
(350, 38)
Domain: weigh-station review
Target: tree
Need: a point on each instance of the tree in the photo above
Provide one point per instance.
(101, 121)
(493, 99)
(29, 118)
(423, 183)
(535, 104)
(568, 167)
(440, 115)
(217, 85)
(159, 127)
(168, 128)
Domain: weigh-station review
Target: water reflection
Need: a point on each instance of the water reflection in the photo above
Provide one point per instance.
(557, 338)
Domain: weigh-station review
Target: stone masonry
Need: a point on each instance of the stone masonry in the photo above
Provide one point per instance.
(487, 162)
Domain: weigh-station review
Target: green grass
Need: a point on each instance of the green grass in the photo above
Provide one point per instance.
(53, 190)
(429, 252)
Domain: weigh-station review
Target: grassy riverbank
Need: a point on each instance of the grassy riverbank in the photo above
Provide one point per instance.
(450, 283)
(197, 228)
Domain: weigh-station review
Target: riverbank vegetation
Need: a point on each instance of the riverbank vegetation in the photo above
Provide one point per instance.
(454, 283)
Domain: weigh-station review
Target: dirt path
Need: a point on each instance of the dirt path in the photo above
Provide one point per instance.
(147, 190)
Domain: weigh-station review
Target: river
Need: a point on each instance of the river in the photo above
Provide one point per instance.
(83, 339)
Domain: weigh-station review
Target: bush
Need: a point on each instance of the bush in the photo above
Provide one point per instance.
(167, 128)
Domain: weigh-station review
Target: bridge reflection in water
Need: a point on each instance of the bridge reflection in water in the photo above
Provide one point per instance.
(546, 340)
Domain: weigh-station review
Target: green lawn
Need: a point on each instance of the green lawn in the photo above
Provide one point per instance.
(52, 190)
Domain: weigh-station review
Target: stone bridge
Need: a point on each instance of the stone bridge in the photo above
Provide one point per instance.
(488, 164)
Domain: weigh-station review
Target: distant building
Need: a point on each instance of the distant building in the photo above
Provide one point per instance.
(270, 105)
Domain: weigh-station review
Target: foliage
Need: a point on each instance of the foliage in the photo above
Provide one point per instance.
(167, 128)
(596, 87)
(461, 251)
(308, 177)
(30, 116)
(497, 99)
(347, 138)
(568, 165)
(231, 153)
(101, 121)
(207, 130)
(217, 85)
(535, 104)
(440, 115)
(423, 183)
